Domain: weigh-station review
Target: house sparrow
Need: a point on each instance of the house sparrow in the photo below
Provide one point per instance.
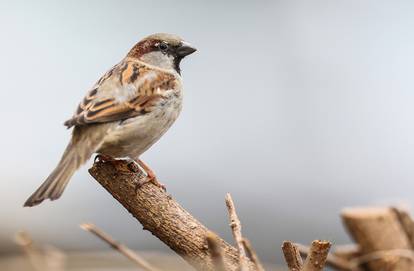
(126, 111)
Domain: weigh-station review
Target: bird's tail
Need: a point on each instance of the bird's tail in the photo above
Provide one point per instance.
(52, 188)
(83, 144)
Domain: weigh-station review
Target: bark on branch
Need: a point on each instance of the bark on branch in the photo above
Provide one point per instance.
(318, 252)
(160, 214)
(236, 230)
(292, 256)
(316, 255)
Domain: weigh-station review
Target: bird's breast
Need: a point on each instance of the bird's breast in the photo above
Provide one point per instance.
(135, 135)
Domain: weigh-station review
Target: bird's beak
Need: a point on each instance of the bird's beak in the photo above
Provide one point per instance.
(185, 49)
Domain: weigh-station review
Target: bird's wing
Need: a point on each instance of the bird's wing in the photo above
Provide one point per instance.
(129, 89)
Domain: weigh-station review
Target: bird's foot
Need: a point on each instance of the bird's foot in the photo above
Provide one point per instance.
(152, 180)
(144, 172)
(150, 176)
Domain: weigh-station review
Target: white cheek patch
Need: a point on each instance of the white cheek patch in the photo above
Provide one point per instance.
(159, 59)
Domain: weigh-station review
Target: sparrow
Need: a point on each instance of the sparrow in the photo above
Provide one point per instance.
(126, 111)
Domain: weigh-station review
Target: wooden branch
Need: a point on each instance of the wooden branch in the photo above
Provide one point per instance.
(124, 250)
(236, 230)
(337, 263)
(251, 254)
(215, 251)
(318, 252)
(292, 256)
(378, 229)
(159, 213)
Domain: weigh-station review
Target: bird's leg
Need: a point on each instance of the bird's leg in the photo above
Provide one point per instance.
(150, 175)
(131, 163)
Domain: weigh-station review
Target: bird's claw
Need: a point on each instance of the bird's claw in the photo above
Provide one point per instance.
(155, 181)
(145, 174)
(148, 179)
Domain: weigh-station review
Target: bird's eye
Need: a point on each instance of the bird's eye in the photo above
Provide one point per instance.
(163, 46)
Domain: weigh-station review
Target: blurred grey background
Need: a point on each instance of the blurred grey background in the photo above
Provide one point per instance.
(298, 108)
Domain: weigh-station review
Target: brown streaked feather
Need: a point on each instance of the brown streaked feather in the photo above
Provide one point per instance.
(127, 74)
(123, 94)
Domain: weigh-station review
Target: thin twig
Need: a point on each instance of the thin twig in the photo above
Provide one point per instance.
(215, 251)
(333, 261)
(138, 260)
(47, 258)
(347, 252)
(251, 254)
(382, 254)
(292, 256)
(318, 253)
(36, 259)
(54, 258)
(236, 229)
(406, 222)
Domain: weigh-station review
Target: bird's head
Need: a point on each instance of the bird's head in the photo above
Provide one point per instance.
(162, 50)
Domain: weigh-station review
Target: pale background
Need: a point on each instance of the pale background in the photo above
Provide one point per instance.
(298, 108)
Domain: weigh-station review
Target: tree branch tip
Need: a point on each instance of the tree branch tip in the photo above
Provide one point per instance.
(229, 200)
(86, 226)
(211, 235)
(287, 243)
(212, 241)
(322, 243)
(22, 238)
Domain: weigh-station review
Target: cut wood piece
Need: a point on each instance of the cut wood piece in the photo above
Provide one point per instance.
(318, 252)
(292, 256)
(406, 222)
(379, 229)
(337, 263)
